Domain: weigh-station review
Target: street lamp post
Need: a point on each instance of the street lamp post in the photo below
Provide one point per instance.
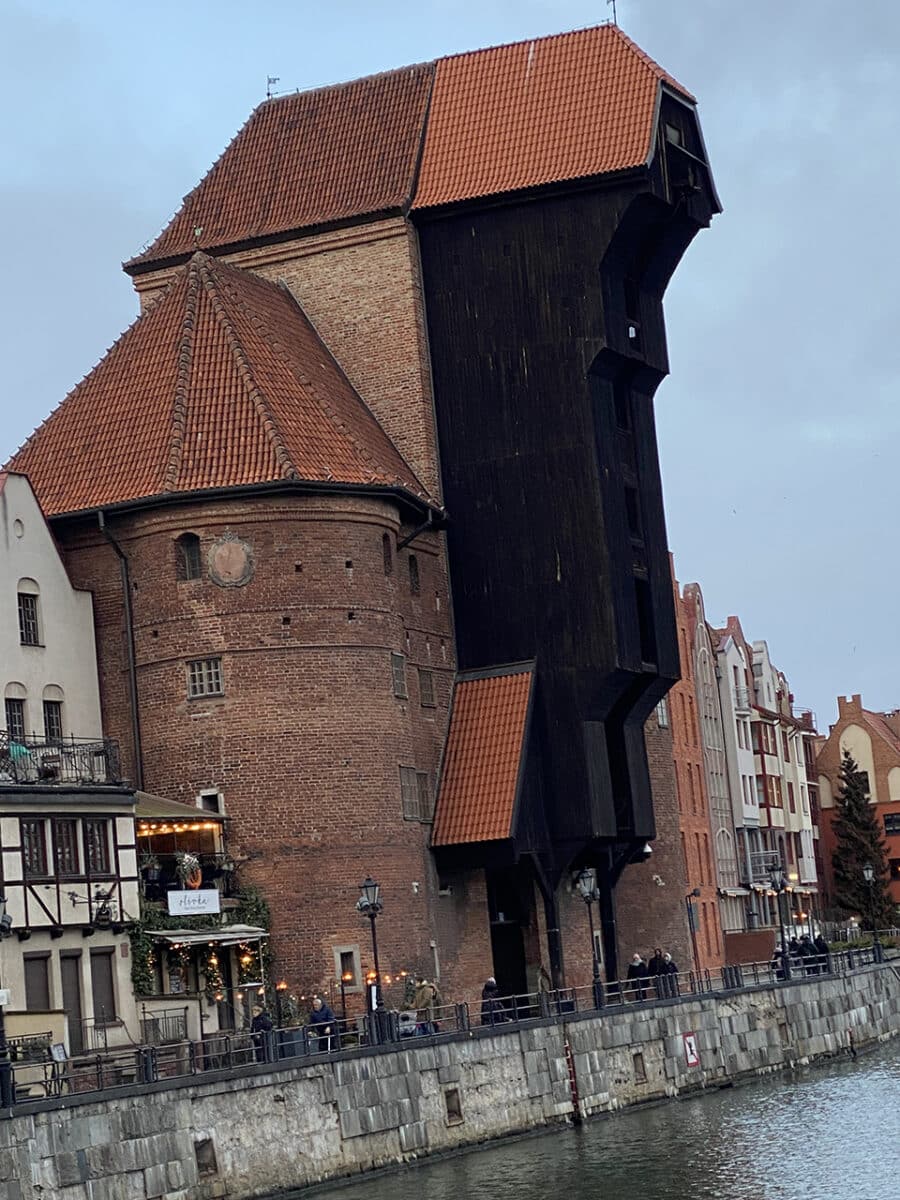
(877, 949)
(586, 883)
(369, 904)
(346, 977)
(7, 1091)
(692, 926)
(779, 884)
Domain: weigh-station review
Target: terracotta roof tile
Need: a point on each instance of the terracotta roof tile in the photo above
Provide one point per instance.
(222, 383)
(491, 121)
(307, 159)
(531, 113)
(479, 780)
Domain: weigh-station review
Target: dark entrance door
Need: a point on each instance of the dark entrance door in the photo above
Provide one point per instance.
(510, 912)
(70, 968)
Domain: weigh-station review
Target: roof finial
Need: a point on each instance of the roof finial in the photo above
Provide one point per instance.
(271, 80)
(612, 4)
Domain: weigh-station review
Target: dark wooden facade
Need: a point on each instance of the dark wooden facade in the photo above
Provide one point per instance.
(547, 344)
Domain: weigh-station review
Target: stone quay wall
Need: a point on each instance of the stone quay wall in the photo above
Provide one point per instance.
(271, 1131)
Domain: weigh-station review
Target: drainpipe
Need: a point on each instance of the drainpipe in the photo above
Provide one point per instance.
(129, 644)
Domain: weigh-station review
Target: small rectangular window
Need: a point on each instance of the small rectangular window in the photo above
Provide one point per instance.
(37, 982)
(413, 575)
(426, 688)
(892, 823)
(205, 677)
(349, 968)
(65, 847)
(409, 794)
(53, 724)
(34, 847)
(96, 846)
(398, 676)
(103, 986)
(662, 713)
(15, 719)
(29, 632)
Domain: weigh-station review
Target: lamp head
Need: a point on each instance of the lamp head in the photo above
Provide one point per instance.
(585, 883)
(370, 896)
(868, 873)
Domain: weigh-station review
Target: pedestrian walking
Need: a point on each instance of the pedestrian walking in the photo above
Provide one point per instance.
(426, 1000)
(323, 1026)
(656, 970)
(492, 1010)
(636, 975)
(260, 1028)
(823, 954)
(671, 974)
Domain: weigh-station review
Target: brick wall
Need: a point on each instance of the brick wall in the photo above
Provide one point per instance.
(307, 740)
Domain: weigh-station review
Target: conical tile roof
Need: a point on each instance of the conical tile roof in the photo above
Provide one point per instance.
(223, 383)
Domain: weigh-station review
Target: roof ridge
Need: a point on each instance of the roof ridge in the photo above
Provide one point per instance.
(543, 37)
(269, 423)
(183, 377)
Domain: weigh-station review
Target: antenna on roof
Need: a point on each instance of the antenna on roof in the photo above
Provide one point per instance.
(612, 4)
(271, 80)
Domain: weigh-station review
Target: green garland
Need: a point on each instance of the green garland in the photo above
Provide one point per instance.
(252, 909)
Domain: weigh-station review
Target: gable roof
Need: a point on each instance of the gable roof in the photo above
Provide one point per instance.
(223, 383)
(482, 761)
(489, 122)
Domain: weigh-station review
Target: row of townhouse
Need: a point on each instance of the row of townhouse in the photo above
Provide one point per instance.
(86, 861)
(747, 788)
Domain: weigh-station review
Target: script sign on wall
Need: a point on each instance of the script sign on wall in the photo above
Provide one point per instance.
(188, 904)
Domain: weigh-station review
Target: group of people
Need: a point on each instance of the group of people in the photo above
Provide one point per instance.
(808, 956)
(660, 972)
(322, 1024)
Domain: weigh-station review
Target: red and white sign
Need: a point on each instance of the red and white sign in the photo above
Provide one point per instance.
(691, 1050)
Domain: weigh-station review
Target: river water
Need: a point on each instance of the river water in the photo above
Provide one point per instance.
(828, 1134)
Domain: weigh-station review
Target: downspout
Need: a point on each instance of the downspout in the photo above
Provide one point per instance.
(129, 644)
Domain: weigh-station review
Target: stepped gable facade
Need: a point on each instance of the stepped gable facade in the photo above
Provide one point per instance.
(440, 286)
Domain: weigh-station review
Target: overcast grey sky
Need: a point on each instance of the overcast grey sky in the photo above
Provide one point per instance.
(779, 430)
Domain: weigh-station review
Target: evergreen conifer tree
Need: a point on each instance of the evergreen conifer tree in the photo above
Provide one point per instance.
(858, 841)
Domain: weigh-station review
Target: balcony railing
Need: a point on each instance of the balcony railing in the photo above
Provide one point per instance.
(65, 760)
(761, 865)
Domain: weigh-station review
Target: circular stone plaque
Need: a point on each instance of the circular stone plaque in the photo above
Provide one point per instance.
(230, 561)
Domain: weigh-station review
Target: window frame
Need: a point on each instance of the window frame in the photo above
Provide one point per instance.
(207, 672)
(105, 867)
(39, 826)
(415, 579)
(427, 693)
(189, 559)
(894, 818)
(41, 958)
(29, 624)
(18, 733)
(398, 675)
(409, 793)
(662, 713)
(74, 844)
(54, 708)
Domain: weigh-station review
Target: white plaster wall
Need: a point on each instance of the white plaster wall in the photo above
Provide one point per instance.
(67, 657)
(855, 739)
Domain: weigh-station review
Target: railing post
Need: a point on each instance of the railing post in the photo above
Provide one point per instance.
(462, 1018)
(597, 989)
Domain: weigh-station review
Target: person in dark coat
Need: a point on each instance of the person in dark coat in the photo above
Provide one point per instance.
(260, 1026)
(492, 1010)
(637, 971)
(822, 953)
(808, 955)
(323, 1025)
(656, 969)
(671, 975)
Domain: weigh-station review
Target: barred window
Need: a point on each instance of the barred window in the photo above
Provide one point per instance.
(205, 677)
(34, 847)
(29, 628)
(426, 688)
(96, 845)
(15, 718)
(65, 847)
(398, 675)
(188, 564)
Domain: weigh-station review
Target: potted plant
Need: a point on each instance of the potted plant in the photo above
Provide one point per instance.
(150, 867)
(187, 869)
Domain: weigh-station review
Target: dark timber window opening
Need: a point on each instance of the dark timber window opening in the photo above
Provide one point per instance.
(398, 676)
(205, 677)
(34, 847)
(29, 629)
(15, 718)
(188, 564)
(409, 795)
(413, 575)
(387, 553)
(892, 823)
(96, 845)
(646, 625)
(53, 725)
(65, 847)
(426, 688)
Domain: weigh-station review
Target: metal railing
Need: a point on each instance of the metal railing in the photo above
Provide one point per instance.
(70, 760)
(166, 1025)
(158, 880)
(235, 1051)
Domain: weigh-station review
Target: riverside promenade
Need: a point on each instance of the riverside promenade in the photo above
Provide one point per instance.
(275, 1126)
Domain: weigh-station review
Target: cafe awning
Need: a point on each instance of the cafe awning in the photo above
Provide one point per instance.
(228, 935)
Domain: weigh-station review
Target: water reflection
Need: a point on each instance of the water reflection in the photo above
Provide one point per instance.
(827, 1135)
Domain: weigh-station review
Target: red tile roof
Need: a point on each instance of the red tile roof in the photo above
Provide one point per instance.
(307, 159)
(488, 122)
(564, 107)
(485, 742)
(222, 383)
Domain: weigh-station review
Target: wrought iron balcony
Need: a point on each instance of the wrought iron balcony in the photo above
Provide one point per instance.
(761, 865)
(66, 760)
